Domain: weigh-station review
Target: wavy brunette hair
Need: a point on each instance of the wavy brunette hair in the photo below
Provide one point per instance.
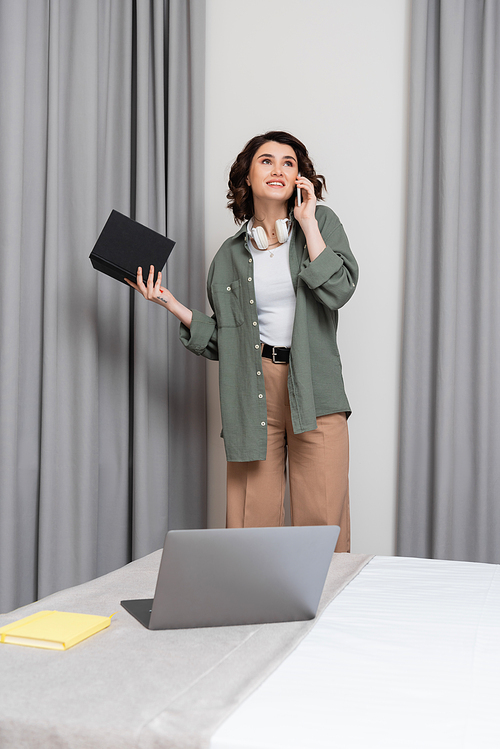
(239, 195)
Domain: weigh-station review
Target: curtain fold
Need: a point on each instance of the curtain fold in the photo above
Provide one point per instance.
(186, 273)
(150, 417)
(83, 124)
(450, 409)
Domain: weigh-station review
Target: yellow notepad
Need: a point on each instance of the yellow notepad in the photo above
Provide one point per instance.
(56, 630)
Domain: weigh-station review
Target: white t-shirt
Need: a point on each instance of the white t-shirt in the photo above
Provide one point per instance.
(274, 294)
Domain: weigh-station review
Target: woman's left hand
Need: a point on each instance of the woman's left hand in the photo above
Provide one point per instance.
(306, 216)
(307, 210)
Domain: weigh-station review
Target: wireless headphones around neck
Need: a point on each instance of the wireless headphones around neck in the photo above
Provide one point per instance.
(282, 228)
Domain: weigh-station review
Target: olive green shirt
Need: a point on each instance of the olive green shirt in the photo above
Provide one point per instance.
(231, 335)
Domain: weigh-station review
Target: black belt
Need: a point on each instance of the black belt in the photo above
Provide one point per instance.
(279, 354)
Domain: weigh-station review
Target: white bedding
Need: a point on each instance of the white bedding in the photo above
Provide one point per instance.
(408, 655)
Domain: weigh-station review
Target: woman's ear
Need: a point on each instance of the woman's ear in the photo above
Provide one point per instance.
(247, 181)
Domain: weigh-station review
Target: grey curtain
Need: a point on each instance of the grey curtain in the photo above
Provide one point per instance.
(449, 485)
(101, 436)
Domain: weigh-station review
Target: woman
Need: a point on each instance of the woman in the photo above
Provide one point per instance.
(275, 288)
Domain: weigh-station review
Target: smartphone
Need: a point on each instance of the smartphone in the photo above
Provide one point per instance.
(299, 194)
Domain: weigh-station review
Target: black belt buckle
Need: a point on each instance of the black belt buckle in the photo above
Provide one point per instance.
(276, 352)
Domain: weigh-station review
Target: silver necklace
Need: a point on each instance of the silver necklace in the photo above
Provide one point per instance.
(271, 253)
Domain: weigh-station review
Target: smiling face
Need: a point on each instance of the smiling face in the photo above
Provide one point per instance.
(273, 172)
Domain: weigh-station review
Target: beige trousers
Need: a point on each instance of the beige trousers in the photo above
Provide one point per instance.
(318, 464)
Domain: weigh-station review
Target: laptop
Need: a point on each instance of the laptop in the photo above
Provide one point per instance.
(220, 577)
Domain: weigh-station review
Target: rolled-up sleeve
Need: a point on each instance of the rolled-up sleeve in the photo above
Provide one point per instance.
(333, 275)
(201, 337)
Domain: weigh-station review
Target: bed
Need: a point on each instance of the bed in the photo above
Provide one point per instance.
(408, 655)
(405, 653)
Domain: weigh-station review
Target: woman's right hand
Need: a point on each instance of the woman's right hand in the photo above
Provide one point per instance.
(154, 292)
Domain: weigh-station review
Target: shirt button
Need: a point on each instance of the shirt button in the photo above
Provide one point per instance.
(260, 395)
(254, 323)
(228, 288)
(257, 345)
(249, 259)
(250, 278)
(263, 423)
(259, 372)
(251, 301)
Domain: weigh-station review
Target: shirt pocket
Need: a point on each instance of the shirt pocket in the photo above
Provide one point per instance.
(227, 303)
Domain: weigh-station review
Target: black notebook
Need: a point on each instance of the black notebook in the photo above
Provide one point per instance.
(124, 245)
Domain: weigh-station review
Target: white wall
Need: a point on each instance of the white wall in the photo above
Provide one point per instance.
(334, 73)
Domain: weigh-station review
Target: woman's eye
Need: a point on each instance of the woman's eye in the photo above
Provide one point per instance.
(266, 161)
(288, 163)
